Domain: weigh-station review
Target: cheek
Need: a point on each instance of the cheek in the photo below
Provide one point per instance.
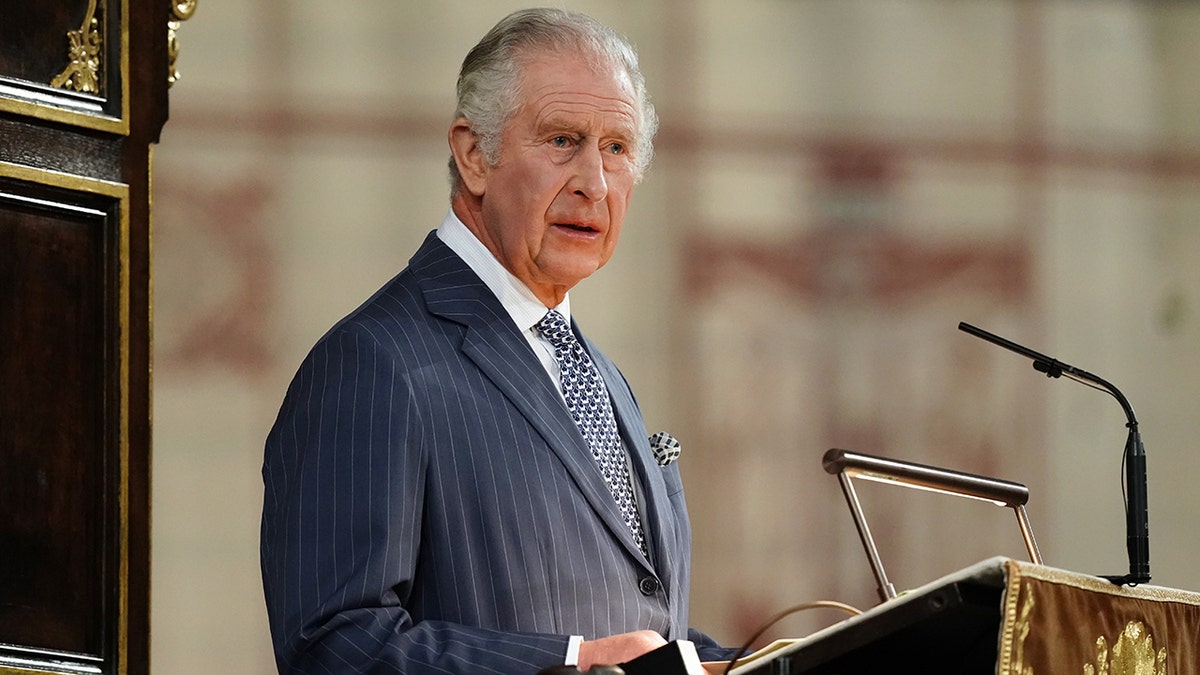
(618, 203)
(539, 178)
(610, 244)
(525, 185)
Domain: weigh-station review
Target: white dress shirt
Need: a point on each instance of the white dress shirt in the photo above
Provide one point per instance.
(520, 302)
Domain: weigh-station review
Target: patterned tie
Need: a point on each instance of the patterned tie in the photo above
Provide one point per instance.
(588, 402)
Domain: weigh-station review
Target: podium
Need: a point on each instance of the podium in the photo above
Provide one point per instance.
(1006, 617)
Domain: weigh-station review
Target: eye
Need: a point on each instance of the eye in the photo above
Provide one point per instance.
(617, 148)
(561, 141)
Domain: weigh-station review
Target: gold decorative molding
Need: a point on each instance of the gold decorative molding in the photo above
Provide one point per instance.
(181, 10)
(83, 72)
(106, 107)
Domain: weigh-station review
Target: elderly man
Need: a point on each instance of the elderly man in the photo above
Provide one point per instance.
(458, 481)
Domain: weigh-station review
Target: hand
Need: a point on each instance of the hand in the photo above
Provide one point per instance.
(615, 649)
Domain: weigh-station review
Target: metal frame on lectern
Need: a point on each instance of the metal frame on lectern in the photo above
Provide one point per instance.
(846, 465)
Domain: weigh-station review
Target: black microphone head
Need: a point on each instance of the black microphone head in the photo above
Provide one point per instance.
(666, 449)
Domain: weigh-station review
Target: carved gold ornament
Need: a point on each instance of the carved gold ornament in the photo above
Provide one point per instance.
(83, 72)
(181, 10)
(1132, 655)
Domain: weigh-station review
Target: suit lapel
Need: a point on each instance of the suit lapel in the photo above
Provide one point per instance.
(645, 468)
(493, 343)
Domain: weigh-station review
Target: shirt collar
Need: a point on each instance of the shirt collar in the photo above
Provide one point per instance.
(520, 302)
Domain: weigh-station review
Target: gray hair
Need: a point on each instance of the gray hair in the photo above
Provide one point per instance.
(489, 83)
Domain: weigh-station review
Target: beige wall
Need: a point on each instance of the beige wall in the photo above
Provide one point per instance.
(838, 183)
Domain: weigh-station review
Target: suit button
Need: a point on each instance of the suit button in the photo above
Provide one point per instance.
(648, 585)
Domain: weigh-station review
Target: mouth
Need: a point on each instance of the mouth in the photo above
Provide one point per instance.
(577, 227)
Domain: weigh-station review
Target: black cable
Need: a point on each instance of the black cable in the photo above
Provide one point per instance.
(1124, 455)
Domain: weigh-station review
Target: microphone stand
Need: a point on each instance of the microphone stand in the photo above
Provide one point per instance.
(1137, 510)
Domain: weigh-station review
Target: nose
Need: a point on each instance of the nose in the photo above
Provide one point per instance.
(588, 179)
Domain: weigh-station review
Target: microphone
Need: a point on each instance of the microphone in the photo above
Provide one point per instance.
(665, 448)
(1137, 509)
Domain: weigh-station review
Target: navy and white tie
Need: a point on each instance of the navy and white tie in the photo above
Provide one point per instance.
(588, 402)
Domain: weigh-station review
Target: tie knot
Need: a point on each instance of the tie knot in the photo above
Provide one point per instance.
(556, 329)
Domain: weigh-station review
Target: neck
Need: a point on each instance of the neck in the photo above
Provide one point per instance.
(467, 209)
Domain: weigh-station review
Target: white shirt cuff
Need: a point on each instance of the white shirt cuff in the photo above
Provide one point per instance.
(573, 650)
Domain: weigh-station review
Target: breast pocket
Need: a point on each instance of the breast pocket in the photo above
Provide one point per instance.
(671, 477)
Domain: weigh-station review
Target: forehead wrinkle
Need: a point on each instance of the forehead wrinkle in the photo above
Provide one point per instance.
(574, 116)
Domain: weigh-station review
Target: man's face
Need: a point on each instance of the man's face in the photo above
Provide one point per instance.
(552, 207)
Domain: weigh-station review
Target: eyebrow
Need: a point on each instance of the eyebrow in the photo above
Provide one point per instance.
(556, 122)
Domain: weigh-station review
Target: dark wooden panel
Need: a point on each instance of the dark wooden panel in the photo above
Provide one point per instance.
(60, 419)
(33, 37)
(75, 265)
(147, 114)
(60, 149)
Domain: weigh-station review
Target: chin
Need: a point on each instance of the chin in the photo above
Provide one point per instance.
(569, 273)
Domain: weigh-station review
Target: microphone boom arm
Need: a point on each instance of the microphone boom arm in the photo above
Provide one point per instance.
(1137, 511)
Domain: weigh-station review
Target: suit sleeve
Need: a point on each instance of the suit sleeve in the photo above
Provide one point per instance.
(341, 529)
(709, 649)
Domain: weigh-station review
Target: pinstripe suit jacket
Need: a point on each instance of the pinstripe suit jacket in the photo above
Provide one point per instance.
(430, 506)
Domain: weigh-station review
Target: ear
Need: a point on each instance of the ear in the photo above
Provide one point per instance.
(472, 166)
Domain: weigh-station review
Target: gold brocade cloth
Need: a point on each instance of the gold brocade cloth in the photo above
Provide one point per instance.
(1057, 622)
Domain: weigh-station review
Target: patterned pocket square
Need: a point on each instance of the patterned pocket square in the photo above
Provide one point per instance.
(666, 449)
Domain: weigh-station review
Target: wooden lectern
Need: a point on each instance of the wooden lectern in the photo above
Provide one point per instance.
(1006, 617)
(998, 616)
